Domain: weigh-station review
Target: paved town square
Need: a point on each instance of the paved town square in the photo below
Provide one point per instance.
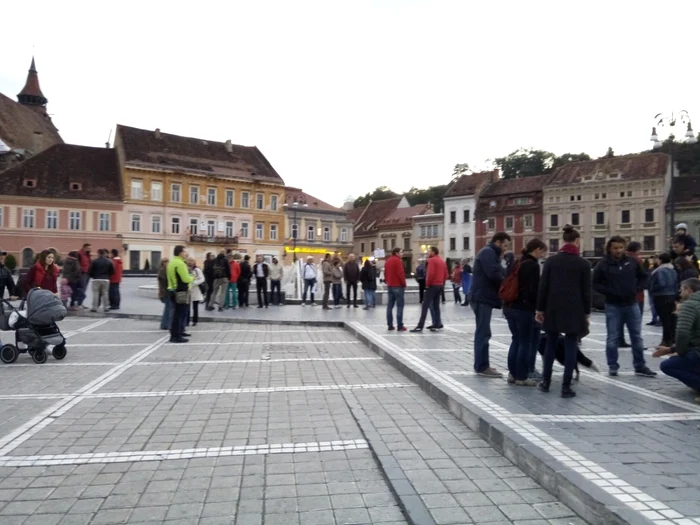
(298, 415)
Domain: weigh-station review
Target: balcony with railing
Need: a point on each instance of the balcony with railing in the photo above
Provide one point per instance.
(214, 239)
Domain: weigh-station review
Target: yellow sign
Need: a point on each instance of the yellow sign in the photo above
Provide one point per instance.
(301, 249)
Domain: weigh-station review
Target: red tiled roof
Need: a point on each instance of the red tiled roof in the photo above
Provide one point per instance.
(401, 217)
(631, 167)
(470, 184)
(52, 171)
(374, 212)
(159, 150)
(313, 203)
(355, 213)
(18, 125)
(686, 190)
(514, 186)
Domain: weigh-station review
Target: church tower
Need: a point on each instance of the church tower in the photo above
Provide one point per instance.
(31, 94)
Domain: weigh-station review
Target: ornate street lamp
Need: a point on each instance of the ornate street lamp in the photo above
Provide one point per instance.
(668, 122)
(295, 233)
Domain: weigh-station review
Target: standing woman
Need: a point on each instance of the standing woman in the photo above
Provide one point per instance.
(663, 289)
(368, 278)
(209, 275)
(44, 273)
(564, 306)
(196, 295)
(337, 282)
(521, 315)
(167, 316)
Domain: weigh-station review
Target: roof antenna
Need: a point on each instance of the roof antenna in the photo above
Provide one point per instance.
(108, 139)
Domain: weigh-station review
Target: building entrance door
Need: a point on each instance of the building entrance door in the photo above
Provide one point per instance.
(135, 260)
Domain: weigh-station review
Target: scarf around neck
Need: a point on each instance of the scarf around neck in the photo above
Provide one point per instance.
(569, 248)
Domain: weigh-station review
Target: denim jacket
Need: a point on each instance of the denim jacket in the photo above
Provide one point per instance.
(664, 281)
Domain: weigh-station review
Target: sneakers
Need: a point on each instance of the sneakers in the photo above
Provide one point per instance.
(526, 382)
(543, 386)
(402, 329)
(566, 392)
(491, 373)
(537, 376)
(644, 372)
(511, 379)
(612, 373)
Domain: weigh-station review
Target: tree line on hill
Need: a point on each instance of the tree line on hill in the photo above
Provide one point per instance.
(527, 163)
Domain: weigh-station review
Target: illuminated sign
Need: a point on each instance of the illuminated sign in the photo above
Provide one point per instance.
(301, 249)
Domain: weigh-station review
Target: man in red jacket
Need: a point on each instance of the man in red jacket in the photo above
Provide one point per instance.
(395, 280)
(232, 290)
(115, 296)
(434, 284)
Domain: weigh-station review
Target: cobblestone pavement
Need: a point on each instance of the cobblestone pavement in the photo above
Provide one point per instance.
(246, 424)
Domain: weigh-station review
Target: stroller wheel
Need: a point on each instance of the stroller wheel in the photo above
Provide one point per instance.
(39, 356)
(59, 352)
(8, 354)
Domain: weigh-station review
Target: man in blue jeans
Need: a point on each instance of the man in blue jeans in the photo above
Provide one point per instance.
(488, 274)
(395, 279)
(619, 278)
(685, 364)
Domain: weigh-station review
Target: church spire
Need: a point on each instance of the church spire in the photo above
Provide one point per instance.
(31, 94)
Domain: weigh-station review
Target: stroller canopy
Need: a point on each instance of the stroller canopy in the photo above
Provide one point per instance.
(44, 308)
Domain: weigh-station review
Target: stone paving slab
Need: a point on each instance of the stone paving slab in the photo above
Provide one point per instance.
(353, 443)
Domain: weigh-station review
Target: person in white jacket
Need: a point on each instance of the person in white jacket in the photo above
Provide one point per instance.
(276, 275)
(196, 295)
(310, 273)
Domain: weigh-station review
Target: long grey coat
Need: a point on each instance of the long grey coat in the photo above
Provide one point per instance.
(565, 294)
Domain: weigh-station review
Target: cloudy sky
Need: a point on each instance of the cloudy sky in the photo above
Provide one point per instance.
(345, 96)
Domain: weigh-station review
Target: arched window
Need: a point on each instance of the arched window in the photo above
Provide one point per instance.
(27, 257)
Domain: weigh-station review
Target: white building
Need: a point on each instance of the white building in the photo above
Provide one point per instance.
(460, 205)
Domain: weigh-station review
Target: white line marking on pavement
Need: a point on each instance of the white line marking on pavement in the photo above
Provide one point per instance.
(232, 361)
(250, 343)
(338, 331)
(50, 364)
(33, 396)
(161, 455)
(615, 418)
(633, 497)
(86, 328)
(259, 390)
(14, 439)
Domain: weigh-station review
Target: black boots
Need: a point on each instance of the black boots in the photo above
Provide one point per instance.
(566, 391)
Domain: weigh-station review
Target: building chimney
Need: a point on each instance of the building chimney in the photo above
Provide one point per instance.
(228, 146)
(158, 133)
(37, 142)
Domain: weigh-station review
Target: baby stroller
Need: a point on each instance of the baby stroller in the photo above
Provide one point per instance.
(35, 328)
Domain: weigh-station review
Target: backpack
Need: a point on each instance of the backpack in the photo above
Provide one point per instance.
(420, 272)
(218, 269)
(510, 287)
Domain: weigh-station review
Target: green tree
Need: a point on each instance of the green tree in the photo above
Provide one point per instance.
(610, 153)
(525, 163)
(432, 195)
(569, 157)
(686, 156)
(380, 193)
(460, 169)
(11, 262)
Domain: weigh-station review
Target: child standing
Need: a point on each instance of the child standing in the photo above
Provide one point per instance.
(66, 292)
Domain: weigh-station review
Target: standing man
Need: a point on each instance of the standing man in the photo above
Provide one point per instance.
(351, 274)
(434, 286)
(232, 291)
(685, 365)
(221, 271)
(327, 272)
(276, 274)
(487, 277)
(564, 307)
(100, 271)
(619, 278)
(209, 276)
(115, 296)
(261, 272)
(179, 280)
(244, 282)
(420, 279)
(6, 280)
(84, 259)
(395, 279)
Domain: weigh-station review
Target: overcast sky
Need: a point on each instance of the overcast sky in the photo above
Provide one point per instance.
(344, 96)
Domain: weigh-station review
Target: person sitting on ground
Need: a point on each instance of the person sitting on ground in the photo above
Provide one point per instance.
(685, 364)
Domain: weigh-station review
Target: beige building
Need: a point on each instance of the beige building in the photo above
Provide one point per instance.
(610, 196)
(427, 232)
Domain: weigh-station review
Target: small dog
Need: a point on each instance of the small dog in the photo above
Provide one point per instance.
(560, 353)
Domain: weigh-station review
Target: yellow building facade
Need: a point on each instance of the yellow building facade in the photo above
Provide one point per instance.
(206, 195)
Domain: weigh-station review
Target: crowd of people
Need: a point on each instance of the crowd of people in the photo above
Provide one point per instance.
(555, 303)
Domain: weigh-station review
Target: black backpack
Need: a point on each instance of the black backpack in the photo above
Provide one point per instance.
(219, 271)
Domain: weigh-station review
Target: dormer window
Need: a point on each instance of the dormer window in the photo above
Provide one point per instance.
(76, 186)
(29, 183)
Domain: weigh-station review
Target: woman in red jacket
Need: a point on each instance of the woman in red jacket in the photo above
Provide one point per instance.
(44, 273)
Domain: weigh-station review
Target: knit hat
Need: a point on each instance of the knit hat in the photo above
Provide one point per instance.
(682, 226)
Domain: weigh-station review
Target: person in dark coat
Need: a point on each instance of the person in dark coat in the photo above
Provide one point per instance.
(620, 278)
(564, 307)
(244, 282)
(483, 298)
(521, 316)
(208, 272)
(368, 279)
(6, 280)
